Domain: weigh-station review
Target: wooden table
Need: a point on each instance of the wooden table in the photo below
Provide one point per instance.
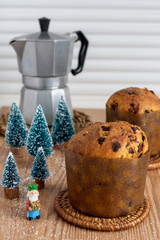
(14, 226)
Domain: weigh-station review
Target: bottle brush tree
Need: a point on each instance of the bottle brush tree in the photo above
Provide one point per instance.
(62, 128)
(39, 135)
(11, 178)
(39, 170)
(17, 131)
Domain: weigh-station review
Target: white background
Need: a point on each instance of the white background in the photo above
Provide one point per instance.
(124, 48)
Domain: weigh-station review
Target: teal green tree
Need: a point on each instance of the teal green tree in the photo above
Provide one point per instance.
(10, 177)
(62, 127)
(39, 135)
(40, 168)
(17, 131)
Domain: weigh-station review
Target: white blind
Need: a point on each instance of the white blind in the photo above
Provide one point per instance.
(124, 47)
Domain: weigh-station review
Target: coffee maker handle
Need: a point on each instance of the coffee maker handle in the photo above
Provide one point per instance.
(82, 52)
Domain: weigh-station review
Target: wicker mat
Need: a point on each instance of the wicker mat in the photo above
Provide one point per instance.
(80, 120)
(154, 163)
(68, 213)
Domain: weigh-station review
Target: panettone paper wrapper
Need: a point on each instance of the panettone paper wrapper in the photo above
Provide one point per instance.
(148, 122)
(106, 187)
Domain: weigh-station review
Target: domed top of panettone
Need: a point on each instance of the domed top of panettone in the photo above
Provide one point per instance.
(134, 100)
(109, 140)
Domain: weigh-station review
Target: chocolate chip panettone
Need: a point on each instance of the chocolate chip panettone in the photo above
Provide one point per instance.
(140, 107)
(106, 165)
(111, 140)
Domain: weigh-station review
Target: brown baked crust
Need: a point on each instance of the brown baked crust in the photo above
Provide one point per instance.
(134, 100)
(109, 140)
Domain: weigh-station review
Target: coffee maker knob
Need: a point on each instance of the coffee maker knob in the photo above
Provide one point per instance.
(44, 24)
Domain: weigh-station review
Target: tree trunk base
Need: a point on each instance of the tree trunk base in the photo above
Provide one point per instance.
(11, 193)
(40, 183)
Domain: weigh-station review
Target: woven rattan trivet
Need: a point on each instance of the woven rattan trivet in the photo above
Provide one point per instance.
(80, 120)
(154, 163)
(68, 213)
(4, 113)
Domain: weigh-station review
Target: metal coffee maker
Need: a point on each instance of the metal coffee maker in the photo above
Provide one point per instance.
(44, 59)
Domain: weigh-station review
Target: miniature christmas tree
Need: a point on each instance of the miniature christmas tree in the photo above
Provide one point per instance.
(17, 131)
(11, 178)
(39, 135)
(62, 128)
(40, 171)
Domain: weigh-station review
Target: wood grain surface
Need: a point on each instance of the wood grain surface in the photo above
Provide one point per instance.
(14, 226)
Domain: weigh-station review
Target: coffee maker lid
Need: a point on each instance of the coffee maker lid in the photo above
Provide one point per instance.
(44, 35)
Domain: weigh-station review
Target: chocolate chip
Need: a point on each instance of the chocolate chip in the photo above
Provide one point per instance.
(152, 91)
(127, 144)
(140, 155)
(131, 150)
(116, 146)
(130, 204)
(133, 108)
(130, 136)
(105, 128)
(130, 92)
(114, 106)
(147, 111)
(101, 140)
(143, 137)
(140, 147)
(134, 129)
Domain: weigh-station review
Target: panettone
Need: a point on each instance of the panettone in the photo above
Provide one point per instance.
(140, 107)
(106, 166)
(134, 100)
(110, 140)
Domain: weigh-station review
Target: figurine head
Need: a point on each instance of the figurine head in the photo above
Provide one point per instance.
(33, 192)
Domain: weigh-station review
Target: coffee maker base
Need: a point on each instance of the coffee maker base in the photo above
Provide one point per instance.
(48, 99)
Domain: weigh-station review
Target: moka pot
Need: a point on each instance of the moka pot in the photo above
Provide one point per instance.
(44, 59)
